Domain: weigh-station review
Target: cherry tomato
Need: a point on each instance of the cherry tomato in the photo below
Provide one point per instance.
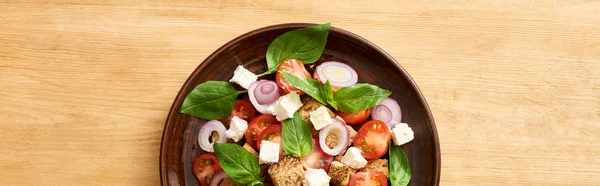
(294, 67)
(373, 139)
(256, 126)
(204, 166)
(272, 134)
(374, 178)
(243, 110)
(355, 118)
(317, 159)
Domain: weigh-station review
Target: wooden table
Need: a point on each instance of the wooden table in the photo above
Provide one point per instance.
(85, 86)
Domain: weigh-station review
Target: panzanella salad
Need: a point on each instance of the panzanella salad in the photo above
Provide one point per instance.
(325, 128)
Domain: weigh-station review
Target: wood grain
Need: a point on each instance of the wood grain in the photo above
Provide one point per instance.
(85, 86)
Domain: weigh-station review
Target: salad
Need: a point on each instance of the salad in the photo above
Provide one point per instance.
(323, 128)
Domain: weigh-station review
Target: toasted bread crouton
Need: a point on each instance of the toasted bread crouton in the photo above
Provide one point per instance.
(309, 106)
(251, 150)
(229, 182)
(380, 165)
(287, 172)
(340, 173)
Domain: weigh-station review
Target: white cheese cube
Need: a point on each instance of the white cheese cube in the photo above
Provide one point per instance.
(315, 177)
(354, 159)
(320, 118)
(402, 134)
(237, 129)
(269, 152)
(286, 106)
(243, 77)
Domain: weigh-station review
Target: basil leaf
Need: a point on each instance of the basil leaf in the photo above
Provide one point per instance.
(310, 86)
(210, 100)
(304, 44)
(359, 97)
(238, 163)
(296, 137)
(328, 94)
(399, 168)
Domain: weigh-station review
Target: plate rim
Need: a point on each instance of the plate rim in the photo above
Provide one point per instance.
(173, 110)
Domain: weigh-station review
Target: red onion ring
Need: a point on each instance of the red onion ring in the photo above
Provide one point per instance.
(387, 111)
(340, 127)
(262, 94)
(206, 133)
(217, 178)
(349, 76)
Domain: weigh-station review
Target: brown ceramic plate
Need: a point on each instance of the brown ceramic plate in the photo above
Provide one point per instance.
(179, 144)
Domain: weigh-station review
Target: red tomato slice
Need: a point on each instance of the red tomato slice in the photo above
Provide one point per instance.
(371, 178)
(243, 110)
(256, 126)
(294, 67)
(355, 118)
(373, 139)
(317, 159)
(272, 134)
(204, 166)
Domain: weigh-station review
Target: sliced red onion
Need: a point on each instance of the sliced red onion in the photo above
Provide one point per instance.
(338, 127)
(262, 94)
(217, 178)
(387, 111)
(339, 74)
(266, 92)
(206, 133)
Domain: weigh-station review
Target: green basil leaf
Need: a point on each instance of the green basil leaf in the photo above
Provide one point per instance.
(238, 163)
(328, 92)
(359, 97)
(295, 136)
(399, 168)
(305, 44)
(310, 86)
(210, 100)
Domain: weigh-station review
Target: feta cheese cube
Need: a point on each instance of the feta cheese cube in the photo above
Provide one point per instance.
(320, 118)
(354, 159)
(237, 129)
(402, 134)
(243, 77)
(286, 106)
(269, 152)
(315, 177)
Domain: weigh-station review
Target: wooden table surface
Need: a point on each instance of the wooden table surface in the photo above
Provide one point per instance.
(85, 86)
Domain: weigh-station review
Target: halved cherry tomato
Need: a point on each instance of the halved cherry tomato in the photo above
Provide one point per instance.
(355, 118)
(317, 159)
(374, 178)
(243, 110)
(373, 139)
(294, 67)
(256, 126)
(272, 134)
(204, 166)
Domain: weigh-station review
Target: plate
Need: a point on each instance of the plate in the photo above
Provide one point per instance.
(179, 142)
